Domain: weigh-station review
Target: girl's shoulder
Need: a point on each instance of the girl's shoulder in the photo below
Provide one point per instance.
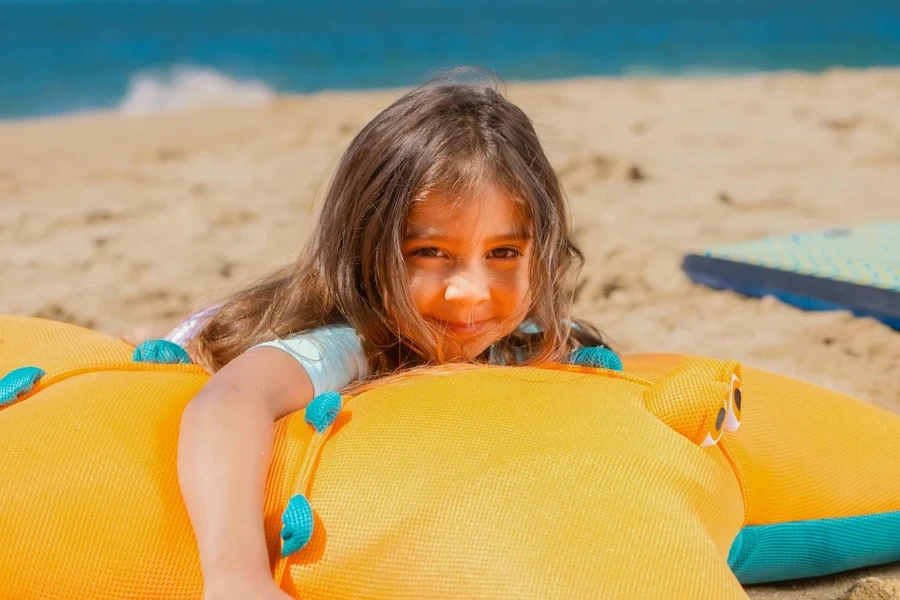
(332, 355)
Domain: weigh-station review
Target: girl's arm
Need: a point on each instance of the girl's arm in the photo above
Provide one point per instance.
(224, 448)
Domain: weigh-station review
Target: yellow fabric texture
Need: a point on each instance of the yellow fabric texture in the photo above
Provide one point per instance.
(485, 483)
(803, 452)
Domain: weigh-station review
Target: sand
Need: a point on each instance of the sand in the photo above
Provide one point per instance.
(125, 224)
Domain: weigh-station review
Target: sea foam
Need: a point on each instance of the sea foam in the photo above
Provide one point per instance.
(183, 87)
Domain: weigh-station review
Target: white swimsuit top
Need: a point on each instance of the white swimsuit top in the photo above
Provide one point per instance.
(332, 356)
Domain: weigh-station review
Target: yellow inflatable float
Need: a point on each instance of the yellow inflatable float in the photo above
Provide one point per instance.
(554, 482)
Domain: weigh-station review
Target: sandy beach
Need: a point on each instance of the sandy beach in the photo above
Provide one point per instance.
(126, 224)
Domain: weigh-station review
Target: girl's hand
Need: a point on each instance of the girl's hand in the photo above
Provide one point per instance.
(140, 334)
(239, 587)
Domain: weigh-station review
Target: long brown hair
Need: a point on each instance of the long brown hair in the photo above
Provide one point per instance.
(445, 134)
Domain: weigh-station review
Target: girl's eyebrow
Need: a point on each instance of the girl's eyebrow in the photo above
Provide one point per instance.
(428, 235)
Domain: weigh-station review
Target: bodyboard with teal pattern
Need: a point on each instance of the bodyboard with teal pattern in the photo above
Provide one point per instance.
(853, 268)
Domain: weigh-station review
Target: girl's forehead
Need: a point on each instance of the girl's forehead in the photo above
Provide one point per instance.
(486, 209)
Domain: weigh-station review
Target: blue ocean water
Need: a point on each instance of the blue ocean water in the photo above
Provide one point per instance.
(74, 55)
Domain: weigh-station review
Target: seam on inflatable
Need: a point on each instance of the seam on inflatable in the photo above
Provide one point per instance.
(723, 445)
(406, 376)
(48, 380)
(703, 426)
(301, 482)
(594, 371)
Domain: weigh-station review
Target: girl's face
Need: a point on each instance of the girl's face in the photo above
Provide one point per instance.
(467, 257)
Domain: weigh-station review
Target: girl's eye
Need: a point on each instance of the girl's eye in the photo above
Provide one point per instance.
(504, 253)
(429, 253)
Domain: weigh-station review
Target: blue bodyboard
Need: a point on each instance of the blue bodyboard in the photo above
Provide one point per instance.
(853, 268)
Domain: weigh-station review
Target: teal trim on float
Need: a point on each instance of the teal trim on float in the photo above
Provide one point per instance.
(161, 352)
(18, 382)
(765, 553)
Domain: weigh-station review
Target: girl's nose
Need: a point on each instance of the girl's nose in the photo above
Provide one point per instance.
(467, 287)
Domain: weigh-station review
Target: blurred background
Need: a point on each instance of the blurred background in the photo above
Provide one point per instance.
(156, 156)
(139, 55)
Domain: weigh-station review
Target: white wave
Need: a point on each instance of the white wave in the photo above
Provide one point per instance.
(179, 88)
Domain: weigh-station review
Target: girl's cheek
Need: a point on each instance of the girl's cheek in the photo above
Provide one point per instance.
(424, 287)
(518, 280)
(523, 290)
(510, 284)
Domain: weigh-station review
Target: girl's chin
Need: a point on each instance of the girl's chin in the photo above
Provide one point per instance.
(463, 351)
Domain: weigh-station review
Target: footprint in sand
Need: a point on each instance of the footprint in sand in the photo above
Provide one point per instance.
(161, 303)
(579, 174)
(777, 199)
(878, 159)
(233, 217)
(56, 312)
(874, 588)
(843, 123)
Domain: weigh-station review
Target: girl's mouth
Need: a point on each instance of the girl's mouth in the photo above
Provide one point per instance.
(463, 328)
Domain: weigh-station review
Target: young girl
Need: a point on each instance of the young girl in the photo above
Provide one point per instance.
(444, 237)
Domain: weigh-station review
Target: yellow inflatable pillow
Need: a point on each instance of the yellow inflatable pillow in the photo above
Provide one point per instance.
(558, 482)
